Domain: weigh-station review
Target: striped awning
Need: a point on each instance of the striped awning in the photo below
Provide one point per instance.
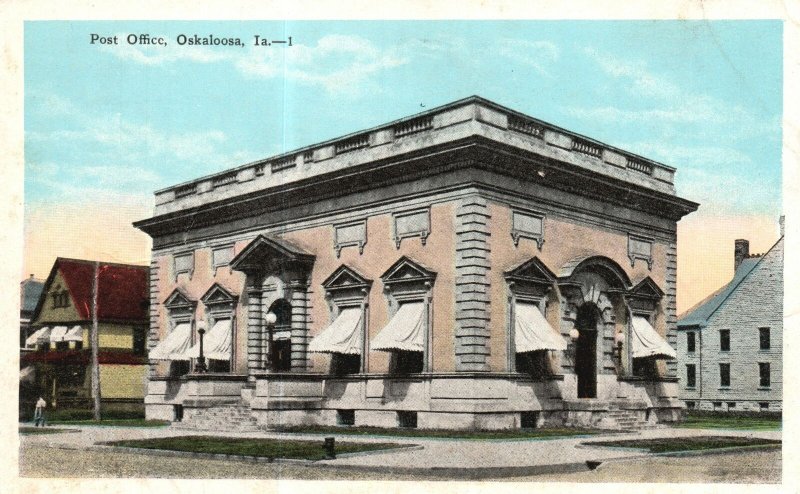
(174, 346)
(41, 334)
(533, 332)
(405, 331)
(344, 335)
(74, 334)
(57, 334)
(216, 342)
(646, 342)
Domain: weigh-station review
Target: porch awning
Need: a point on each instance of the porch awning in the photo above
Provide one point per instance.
(342, 336)
(646, 342)
(39, 334)
(174, 346)
(74, 334)
(216, 342)
(533, 332)
(57, 334)
(406, 330)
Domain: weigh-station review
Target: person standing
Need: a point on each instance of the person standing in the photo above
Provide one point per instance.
(38, 413)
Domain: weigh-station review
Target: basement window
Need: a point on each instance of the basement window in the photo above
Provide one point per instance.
(527, 420)
(345, 417)
(407, 420)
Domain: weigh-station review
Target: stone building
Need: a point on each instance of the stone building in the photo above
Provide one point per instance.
(59, 348)
(467, 267)
(730, 345)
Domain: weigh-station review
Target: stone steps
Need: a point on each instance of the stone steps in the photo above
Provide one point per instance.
(629, 420)
(230, 418)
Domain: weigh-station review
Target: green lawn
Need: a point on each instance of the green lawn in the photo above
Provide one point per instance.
(670, 445)
(113, 423)
(263, 448)
(446, 434)
(43, 430)
(719, 422)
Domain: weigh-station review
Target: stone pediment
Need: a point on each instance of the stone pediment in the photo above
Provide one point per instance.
(217, 295)
(178, 300)
(647, 289)
(532, 271)
(346, 277)
(267, 253)
(405, 270)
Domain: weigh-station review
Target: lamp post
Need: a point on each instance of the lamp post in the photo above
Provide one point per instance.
(619, 338)
(270, 319)
(200, 367)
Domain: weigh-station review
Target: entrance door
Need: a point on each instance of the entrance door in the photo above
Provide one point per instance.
(586, 352)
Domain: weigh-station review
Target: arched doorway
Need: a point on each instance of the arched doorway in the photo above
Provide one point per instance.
(586, 350)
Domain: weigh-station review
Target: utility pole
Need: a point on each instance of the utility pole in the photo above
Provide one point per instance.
(95, 344)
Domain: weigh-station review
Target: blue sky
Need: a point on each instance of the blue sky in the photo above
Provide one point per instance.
(111, 124)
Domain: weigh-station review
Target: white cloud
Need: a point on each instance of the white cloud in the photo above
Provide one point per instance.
(537, 54)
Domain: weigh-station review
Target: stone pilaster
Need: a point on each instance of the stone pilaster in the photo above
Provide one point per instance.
(152, 333)
(300, 324)
(472, 285)
(670, 310)
(255, 343)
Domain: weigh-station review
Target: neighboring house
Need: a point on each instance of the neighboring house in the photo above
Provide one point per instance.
(29, 291)
(467, 267)
(730, 345)
(63, 320)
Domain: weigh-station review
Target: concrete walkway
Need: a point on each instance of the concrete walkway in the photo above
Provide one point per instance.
(475, 458)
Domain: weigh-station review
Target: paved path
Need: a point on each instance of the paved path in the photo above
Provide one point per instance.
(501, 457)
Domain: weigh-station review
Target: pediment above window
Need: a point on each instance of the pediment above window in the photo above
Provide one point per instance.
(346, 278)
(178, 300)
(407, 271)
(646, 289)
(267, 253)
(531, 271)
(218, 295)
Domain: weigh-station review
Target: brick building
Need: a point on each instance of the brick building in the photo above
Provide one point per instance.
(59, 348)
(730, 345)
(467, 267)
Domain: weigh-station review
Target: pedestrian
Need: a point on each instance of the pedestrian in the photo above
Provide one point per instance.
(38, 413)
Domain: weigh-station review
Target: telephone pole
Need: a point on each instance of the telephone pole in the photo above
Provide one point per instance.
(95, 344)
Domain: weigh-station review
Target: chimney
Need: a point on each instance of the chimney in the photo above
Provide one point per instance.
(781, 221)
(741, 249)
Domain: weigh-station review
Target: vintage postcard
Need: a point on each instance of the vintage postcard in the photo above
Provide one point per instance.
(429, 249)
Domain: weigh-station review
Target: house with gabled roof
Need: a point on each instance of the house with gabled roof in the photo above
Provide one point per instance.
(730, 345)
(76, 294)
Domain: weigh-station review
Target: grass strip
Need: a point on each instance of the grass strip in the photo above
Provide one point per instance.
(113, 422)
(262, 448)
(443, 433)
(43, 430)
(671, 445)
(740, 423)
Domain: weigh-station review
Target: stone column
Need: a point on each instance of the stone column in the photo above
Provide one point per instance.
(301, 321)
(255, 342)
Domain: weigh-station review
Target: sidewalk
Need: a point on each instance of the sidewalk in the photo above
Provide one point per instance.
(473, 458)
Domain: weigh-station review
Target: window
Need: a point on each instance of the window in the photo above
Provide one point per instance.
(281, 355)
(536, 364)
(407, 419)
(724, 340)
(343, 364)
(139, 341)
(690, 405)
(763, 338)
(763, 405)
(690, 342)
(724, 375)
(183, 263)
(405, 362)
(60, 298)
(717, 405)
(345, 417)
(62, 345)
(179, 368)
(691, 376)
(731, 405)
(763, 374)
(527, 420)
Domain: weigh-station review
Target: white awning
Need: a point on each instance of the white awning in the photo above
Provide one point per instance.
(74, 334)
(646, 342)
(39, 334)
(57, 334)
(406, 330)
(533, 332)
(174, 345)
(344, 335)
(216, 342)
(27, 374)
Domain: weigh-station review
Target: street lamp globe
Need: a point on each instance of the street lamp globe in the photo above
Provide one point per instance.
(574, 334)
(271, 318)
